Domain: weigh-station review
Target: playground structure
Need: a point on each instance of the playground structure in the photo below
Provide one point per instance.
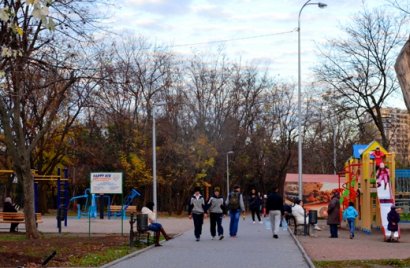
(360, 187)
(61, 180)
(90, 204)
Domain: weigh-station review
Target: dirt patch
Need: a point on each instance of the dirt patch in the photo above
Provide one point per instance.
(362, 247)
(31, 253)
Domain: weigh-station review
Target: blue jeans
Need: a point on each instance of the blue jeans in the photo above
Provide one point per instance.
(351, 226)
(233, 224)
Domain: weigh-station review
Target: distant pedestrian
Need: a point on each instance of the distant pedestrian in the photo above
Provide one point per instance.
(254, 203)
(350, 214)
(197, 212)
(393, 226)
(333, 214)
(235, 205)
(154, 226)
(8, 206)
(274, 206)
(217, 210)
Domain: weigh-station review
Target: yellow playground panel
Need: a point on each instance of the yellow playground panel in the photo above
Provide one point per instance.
(360, 187)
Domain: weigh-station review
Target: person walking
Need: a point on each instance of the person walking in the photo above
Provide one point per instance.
(393, 226)
(8, 206)
(333, 214)
(274, 207)
(255, 202)
(216, 207)
(197, 212)
(235, 205)
(154, 226)
(350, 214)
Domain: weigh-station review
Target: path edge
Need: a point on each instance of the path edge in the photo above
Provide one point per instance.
(114, 262)
(302, 250)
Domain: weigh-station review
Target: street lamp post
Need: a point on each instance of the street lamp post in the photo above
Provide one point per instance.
(227, 173)
(154, 160)
(320, 5)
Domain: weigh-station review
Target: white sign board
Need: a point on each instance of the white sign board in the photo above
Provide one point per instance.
(106, 182)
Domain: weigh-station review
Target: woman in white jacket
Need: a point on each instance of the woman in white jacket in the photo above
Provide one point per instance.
(299, 213)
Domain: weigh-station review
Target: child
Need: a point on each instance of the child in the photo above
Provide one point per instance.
(383, 174)
(350, 214)
(393, 218)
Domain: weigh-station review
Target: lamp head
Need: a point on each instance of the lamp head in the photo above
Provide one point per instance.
(230, 152)
(321, 5)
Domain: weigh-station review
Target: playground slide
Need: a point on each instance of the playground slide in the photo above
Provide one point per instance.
(386, 201)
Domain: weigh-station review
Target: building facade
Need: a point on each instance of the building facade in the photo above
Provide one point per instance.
(397, 126)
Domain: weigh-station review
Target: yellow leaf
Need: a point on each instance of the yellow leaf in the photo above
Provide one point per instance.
(19, 30)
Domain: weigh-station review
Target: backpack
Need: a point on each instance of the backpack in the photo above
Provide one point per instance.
(234, 201)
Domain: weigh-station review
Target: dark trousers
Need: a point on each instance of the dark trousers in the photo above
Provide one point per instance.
(333, 230)
(198, 221)
(216, 220)
(257, 212)
(13, 227)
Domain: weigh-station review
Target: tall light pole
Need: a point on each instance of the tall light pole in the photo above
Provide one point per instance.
(321, 5)
(227, 172)
(154, 158)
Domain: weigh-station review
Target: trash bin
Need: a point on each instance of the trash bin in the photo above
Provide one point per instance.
(142, 222)
(312, 216)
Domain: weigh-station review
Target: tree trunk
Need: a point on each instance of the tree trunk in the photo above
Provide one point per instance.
(23, 171)
(402, 68)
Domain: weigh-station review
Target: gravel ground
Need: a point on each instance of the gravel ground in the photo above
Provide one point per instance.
(363, 246)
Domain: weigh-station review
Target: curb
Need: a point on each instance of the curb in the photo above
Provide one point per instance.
(134, 254)
(302, 250)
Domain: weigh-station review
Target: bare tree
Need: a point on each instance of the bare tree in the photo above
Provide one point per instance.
(359, 67)
(36, 77)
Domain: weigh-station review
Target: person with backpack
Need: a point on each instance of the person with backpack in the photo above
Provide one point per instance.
(274, 207)
(235, 205)
(197, 212)
(216, 206)
(350, 214)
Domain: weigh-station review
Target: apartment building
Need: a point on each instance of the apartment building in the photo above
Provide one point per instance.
(397, 125)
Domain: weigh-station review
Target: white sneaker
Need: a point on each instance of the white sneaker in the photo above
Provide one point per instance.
(253, 222)
(261, 222)
(317, 228)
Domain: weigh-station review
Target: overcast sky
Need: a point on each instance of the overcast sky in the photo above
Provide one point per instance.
(262, 32)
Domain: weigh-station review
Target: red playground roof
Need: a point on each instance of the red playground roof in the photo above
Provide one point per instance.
(293, 177)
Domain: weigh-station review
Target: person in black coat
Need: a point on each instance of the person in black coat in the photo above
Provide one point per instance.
(393, 218)
(9, 207)
(255, 202)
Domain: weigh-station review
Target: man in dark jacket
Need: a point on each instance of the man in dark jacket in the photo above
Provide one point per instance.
(333, 214)
(274, 207)
(9, 207)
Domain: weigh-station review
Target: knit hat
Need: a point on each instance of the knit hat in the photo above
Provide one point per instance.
(7, 200)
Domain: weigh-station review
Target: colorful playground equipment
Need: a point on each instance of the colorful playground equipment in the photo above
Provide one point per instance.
(373, 201)
(90, 204)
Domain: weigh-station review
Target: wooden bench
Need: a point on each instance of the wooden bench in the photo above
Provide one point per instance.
(116, 210)
(17, 217)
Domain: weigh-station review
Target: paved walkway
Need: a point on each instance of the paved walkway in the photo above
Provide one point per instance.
(254, 247)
